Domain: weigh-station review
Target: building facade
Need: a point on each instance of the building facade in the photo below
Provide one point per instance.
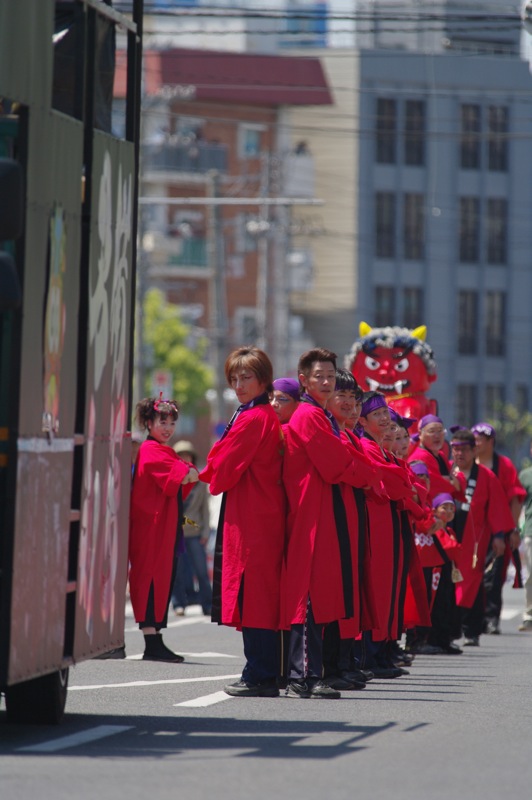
(437, 178)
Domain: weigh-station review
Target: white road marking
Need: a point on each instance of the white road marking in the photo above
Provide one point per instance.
(206, 700)
(75, 739)
(133, 684)
(510, 613)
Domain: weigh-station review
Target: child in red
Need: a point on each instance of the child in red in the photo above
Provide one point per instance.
(155, 527)
(436, 547)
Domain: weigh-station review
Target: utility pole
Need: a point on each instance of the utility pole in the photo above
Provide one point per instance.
(217, 296)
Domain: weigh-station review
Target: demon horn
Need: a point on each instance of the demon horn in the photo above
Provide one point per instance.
(364, 329)
(420, 333)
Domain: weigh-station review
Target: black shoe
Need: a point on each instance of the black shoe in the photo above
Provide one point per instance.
(243, 689)
(492, 626)
(452, 650)
(117, 652)
(426, 649)
(156, 650)
(386, 673)
(311, 688)
(472, 641)
(344, 682)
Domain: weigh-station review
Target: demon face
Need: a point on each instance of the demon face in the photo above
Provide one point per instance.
(391, 371)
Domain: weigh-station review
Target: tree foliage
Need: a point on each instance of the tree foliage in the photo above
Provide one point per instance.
(176, 350)
(514, 432)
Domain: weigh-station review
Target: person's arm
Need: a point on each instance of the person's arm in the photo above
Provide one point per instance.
(231, 456)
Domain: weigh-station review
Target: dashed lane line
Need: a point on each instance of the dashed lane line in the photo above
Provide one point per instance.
(206, 700)
(134, 684)
(75, 739)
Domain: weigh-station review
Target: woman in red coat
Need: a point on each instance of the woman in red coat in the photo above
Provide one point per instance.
(156, 523)
(246, 466)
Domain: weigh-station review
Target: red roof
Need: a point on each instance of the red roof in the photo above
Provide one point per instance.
(234, 77)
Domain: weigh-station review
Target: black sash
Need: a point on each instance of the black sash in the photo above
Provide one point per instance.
(462, 509)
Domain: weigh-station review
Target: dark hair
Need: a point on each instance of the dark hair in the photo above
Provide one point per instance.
(147, 409)
(465, 436)
(250, 357)
(311, 356)
(346, 381)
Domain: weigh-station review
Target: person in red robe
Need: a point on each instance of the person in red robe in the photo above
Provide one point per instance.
(245, 465)
(317, 581)
(155, 527)
(340, 670)
(391, 544)
(430, 450)
(482, 520)
(496, 568)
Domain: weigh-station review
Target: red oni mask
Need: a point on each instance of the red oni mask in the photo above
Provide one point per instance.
(391, 371)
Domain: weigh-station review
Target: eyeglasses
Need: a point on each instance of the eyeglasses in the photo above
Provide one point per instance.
(282, 400)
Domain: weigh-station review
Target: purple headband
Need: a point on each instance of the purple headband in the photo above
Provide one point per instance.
(288, 386)
(420, 468)
(372, 404)
(404, 422)
(427, 419)
(444, 497)
(484, 429)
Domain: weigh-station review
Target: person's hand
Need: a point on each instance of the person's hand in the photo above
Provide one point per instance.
(437, 525)
(192, 476)
(498, 546)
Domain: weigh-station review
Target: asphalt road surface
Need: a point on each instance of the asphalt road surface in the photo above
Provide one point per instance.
(456, 726)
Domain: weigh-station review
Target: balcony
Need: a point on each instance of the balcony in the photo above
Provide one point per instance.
(193, 254)
(195, 157)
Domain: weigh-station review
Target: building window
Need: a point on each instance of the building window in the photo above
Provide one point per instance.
(495, 323)
(466, 404)
(467, 322)
(415, 133)
(498, 138)
(521, 398)
(246, 325)
(469, 229)
(470, 138)
(385, 130)
(250, 140)
(494, 399)
(497, 230)
(385, 224)
(384, 306)
(414, 226)
(412, 307)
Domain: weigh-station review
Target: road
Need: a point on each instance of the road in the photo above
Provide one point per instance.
(457, 725)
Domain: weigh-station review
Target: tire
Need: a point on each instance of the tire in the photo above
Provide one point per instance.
(39, 701)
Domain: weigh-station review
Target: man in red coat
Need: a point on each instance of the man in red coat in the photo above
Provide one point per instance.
(482, 520)
(496, 567)
(430, 451)
(317, 586)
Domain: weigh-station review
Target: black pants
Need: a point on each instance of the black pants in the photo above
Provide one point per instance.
(443, 610)
(260, 651)
(493, 583)
(473, 618)
(337, 652)
(306, 649)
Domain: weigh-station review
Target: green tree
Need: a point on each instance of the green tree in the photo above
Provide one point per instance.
(514, 432)
(174, 349)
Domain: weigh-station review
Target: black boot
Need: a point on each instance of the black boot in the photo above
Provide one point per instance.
(156, 650)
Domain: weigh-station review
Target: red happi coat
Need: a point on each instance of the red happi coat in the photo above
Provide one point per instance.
(246, 466)
(315, 462)
(153, 525)
(364, 605)
(438, 481)
(488, 514)
(393, 556)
